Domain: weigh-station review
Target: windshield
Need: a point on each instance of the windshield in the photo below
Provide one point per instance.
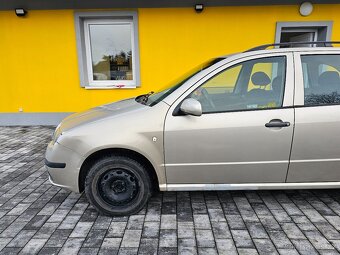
(154, 98)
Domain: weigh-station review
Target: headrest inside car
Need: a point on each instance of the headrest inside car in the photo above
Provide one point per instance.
(260, 79)
(329, 78)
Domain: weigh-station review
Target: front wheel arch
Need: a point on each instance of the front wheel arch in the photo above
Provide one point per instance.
(94, 157)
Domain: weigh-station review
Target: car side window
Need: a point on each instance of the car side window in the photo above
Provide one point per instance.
(253, 84)
(321, 79)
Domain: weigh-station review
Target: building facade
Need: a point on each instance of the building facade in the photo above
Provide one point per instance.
(61, 58)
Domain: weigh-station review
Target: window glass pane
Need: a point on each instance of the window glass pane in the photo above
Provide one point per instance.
(321, 79)
(224, 82)
(159, 96)
(254, 84)
(111, 51)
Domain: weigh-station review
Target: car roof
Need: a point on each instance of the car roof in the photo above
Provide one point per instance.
(283, 50)
(314, 46)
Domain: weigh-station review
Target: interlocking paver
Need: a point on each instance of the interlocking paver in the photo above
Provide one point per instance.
(265, 246)
(205, 238)
(202, 221)
(33, 246)
(187, 246)
(327, 230)
(226, 246)
(317, 240)
(148, 246)
(280, 240)
(247, 251)
(4, 242)
(168, 221)
(207, 251)
(168, 238)
(111, 244)
(221, 230)
(102, 222)
(242, 239)
(71, 246)
(256, 230)
(186, 229)
(81, 229)
(288, 252)
(235, 222)
(131, 238)
(22, 238)
(116, 229)
(38, 218)
(58, 238)
(304, 247)
(88, 251)
(151, 229)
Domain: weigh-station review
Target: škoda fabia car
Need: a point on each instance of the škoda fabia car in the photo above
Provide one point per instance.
(262, 119)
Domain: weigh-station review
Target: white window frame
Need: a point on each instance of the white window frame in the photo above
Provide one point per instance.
(100, 83)
(322, 29)
(83, 21)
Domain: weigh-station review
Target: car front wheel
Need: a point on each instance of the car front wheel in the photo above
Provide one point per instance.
(118, 186)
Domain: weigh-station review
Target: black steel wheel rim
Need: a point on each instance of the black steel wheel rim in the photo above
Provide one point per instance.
(118, 187)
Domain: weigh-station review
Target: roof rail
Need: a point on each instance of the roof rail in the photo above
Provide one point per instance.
(265, 46)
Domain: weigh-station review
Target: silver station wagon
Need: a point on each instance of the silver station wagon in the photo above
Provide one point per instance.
(262, 119)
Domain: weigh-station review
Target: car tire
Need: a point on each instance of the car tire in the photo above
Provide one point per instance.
(118, 186)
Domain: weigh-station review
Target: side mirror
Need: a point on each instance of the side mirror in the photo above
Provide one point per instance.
(191, 106)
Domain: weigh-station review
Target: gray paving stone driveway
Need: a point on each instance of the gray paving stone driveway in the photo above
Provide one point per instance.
(36, 217)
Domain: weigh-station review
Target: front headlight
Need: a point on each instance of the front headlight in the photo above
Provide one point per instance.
(57, 133)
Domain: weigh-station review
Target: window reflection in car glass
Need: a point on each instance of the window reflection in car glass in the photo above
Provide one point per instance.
(321, 79)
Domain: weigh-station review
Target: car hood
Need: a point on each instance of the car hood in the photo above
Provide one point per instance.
(99, 113)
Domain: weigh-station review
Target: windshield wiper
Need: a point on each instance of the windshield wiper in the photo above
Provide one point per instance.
(143, 99)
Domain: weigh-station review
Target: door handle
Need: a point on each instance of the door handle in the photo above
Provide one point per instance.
(277, 123)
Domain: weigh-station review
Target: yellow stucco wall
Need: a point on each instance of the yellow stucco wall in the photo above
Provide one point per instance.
(38, 56)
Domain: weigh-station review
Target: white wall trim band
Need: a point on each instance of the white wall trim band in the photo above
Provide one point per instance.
(32, 119)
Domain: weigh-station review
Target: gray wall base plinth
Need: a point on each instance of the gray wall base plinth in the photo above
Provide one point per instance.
(32, 119)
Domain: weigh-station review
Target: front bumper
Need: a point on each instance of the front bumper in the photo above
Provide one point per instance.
(63, 166)
(54, 164)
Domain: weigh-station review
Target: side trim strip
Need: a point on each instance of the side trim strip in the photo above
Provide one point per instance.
(252, 186)
(54, 164)
(253, 162)
(315, 160)
(229, 163)
(162, 187)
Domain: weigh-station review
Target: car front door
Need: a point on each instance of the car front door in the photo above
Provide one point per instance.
(315, 153)
(244, 134)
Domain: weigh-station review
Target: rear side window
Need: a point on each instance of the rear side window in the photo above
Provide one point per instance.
(321, 76)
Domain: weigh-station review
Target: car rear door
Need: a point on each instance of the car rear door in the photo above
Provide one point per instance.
(245, 132)
(315, 153)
